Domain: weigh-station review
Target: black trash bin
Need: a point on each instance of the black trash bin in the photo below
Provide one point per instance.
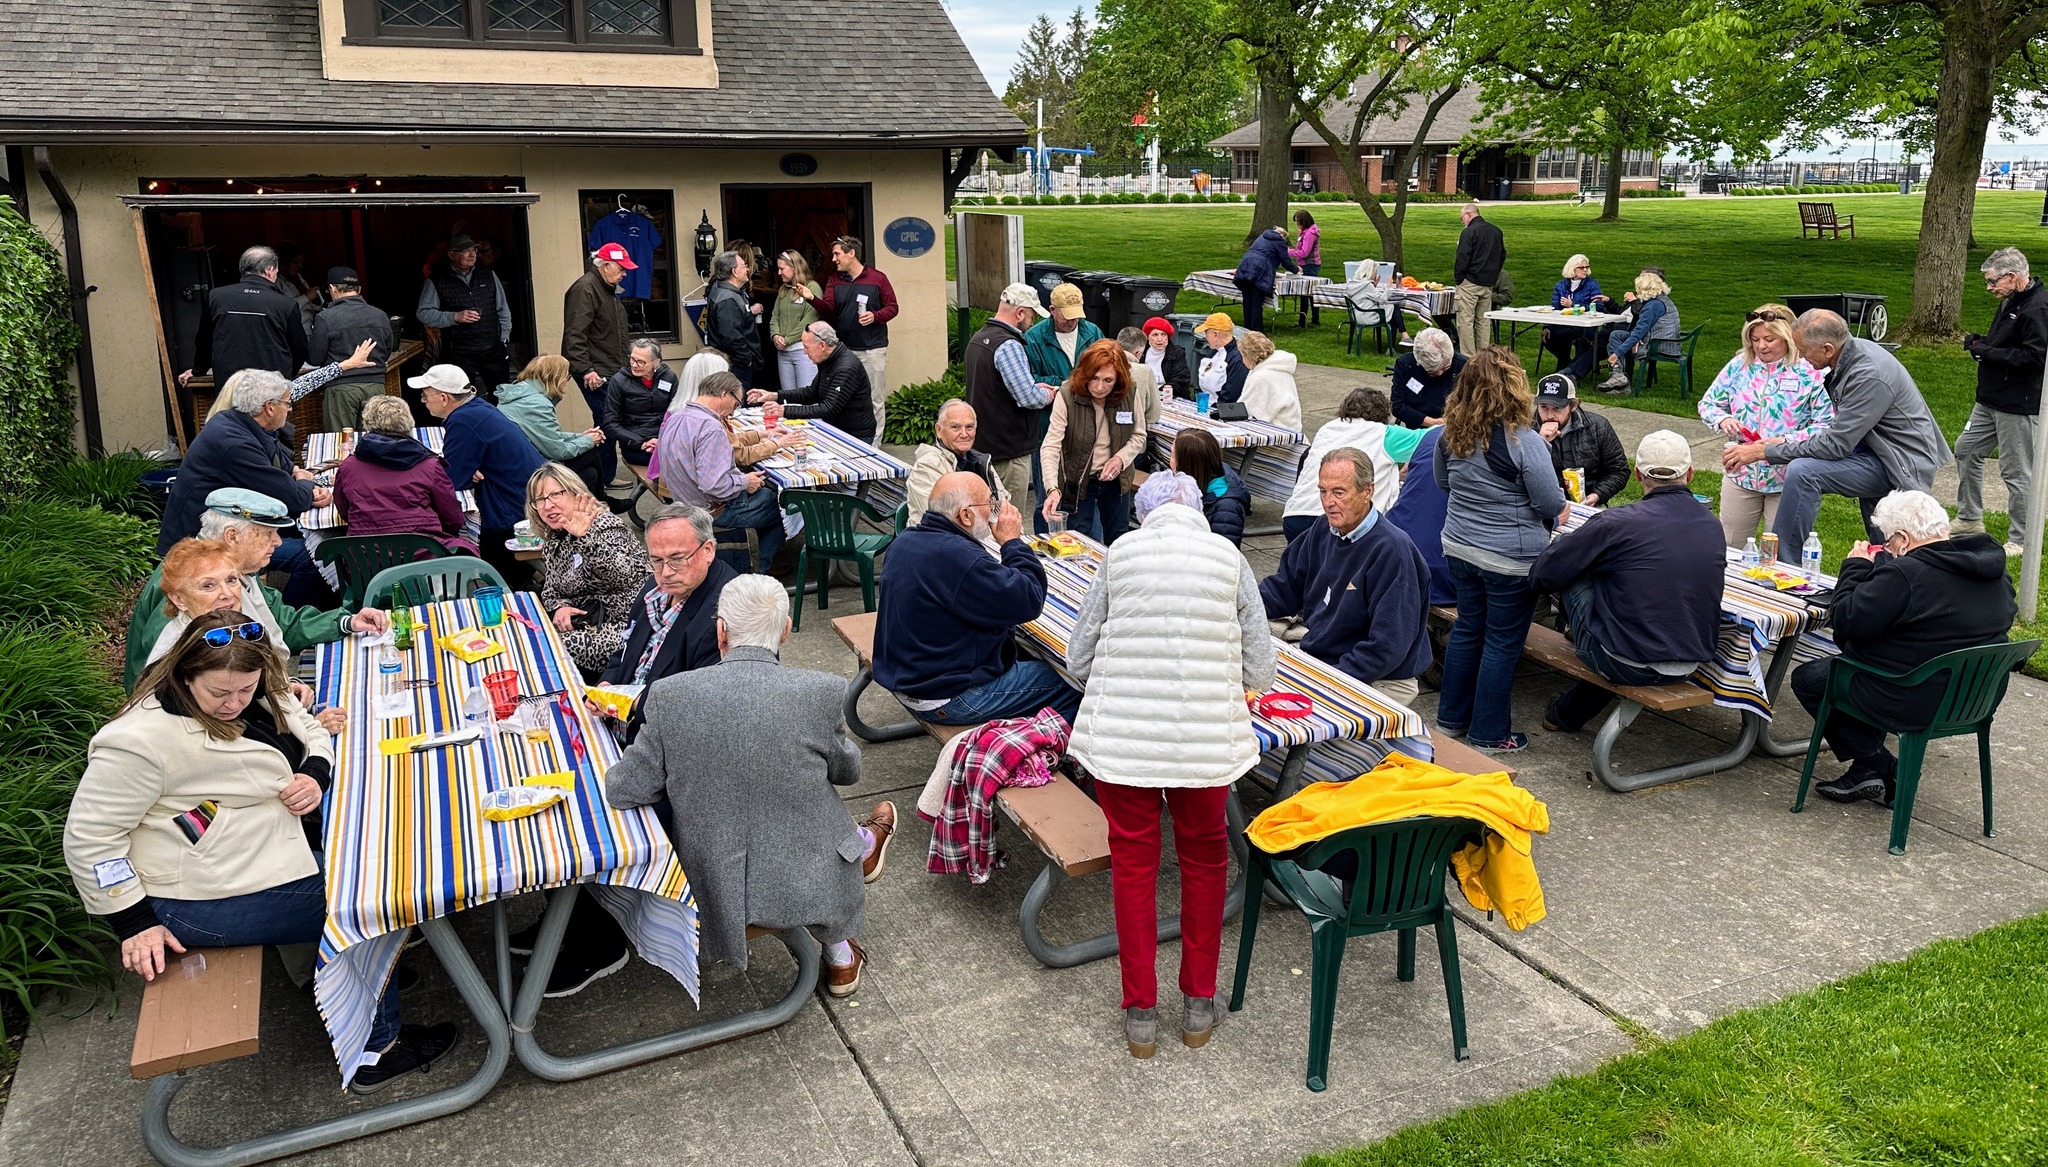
(1135, 299)
(1045, 275)
(1095, 292)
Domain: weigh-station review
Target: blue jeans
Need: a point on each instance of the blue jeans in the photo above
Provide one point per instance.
(1295, 526)
(1581, 703)
(305, 588)
(290, 913)
(1486, 645)
(1028, 686)
(607, 451)
(1103, 512)
(1859, 476)
(760, 511)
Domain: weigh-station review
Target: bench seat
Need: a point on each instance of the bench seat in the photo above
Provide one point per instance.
(1553, 650)
(203, 1008)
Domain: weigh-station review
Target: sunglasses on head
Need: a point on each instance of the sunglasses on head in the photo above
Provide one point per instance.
(1762, 314)
(223, 636)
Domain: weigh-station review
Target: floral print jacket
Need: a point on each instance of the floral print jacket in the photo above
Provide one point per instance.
(1783, 400)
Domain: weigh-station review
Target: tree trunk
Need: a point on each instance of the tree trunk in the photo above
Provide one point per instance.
(1610, 202)
(1962, 117)
(1276, 153)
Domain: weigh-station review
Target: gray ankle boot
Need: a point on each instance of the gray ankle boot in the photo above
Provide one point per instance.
(1198, 1019)
(1141, 1030)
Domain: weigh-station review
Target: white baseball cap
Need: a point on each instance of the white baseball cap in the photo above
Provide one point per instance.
(1663, 456)
(447, 378)
(1023, 296)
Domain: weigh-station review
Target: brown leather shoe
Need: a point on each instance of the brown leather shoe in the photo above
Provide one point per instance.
(883, 823)
(842, 980)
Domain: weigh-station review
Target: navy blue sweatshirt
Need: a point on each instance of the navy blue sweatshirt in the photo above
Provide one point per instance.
(943, 624)
(1656, 567)
(1366, 601)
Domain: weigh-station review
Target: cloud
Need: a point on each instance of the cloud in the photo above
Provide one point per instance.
(994, 30)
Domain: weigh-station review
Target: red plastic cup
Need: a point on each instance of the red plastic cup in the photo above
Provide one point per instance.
(504, 690)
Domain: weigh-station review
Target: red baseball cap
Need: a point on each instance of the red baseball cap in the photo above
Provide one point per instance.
(616, 254)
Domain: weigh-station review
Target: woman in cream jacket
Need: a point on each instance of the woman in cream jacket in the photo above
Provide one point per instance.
(1270, 394)
(185, 830)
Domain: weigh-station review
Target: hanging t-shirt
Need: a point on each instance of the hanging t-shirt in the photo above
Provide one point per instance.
(639, 236)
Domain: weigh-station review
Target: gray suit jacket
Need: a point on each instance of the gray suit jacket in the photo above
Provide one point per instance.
(747, 753)
(1877, 405)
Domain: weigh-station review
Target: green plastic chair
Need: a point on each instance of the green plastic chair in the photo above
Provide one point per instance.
(829, 535)
(1399, 887)
(451, 577)
(1667, 352)
(1369, 317)
(358, 558)
(1976, 684)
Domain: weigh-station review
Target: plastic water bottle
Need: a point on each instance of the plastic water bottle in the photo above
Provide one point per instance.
(1750, 555)
(1809, 556)
(391, 692)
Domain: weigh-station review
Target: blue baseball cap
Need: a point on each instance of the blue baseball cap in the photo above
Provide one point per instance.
(239, 503)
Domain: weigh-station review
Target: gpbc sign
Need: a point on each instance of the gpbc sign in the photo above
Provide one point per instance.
(909, 237)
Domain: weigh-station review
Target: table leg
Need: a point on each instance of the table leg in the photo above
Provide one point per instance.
(860, 728)
(475, 993)
(1244, 460)
(561, 902)
(1774, 680)
(1624, 713)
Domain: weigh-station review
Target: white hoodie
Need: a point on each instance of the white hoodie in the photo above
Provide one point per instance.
(1269, 391)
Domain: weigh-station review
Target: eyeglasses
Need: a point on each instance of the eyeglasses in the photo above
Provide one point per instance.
(657, 563)
(1763, 314)
(555, 495)
(225, 635)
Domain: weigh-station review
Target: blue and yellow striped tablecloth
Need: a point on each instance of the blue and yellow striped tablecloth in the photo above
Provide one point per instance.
(1345, 708)
(323, 448)
(1755, 617)
(1270, 454)
(407, 840)
(837, 457)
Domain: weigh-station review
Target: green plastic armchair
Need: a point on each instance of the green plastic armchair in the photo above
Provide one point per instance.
(431, 580)
(359, 558)
(829, 534)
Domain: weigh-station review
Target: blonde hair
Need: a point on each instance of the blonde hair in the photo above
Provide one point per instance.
(224, 394)
(799, 267)
(551, 370)
(1492, 391)
(1779, 325)
(1571, 265)
(563, 477)
(1255, 347)
(387, 415)
(1649, 283)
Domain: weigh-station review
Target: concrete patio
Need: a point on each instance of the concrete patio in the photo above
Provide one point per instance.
(1668, 908)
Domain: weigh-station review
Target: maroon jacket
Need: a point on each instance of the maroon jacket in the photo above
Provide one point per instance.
(392, 486)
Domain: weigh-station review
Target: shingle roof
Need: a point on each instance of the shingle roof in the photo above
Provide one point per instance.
(880, 72)
(1461, 115)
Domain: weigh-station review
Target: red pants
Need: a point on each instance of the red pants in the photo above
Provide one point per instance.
(1201, 837)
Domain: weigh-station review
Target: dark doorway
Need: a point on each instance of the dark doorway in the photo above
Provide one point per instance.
(805, 219)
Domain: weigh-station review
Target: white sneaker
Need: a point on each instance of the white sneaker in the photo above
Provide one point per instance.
(1966, 527)
(2014, 550)
(1618, 381)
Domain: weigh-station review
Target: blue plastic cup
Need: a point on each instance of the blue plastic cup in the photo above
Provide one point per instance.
(490, 606)
(1202, 402)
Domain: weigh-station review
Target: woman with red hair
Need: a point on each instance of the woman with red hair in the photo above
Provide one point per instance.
(1096, 432)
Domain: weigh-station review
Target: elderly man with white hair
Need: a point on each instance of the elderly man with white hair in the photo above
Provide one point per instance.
(952, 451)
(1422, 380)
(2009, 360)
(839, 394)
(1168, 639)
(1883, 437)
(757, 821)
(1899, 604)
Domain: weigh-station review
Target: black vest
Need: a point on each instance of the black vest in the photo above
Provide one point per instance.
(480, 295)
(1003, 429)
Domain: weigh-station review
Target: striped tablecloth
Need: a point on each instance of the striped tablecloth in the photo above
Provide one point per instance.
(406, 840)
(1418, 300)
(1222, 285)
(1269, 458)
(1754, 618)
(1346, 710)
(837, 457)
(324, 447)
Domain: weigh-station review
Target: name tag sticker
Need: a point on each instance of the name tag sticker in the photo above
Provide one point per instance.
(1414, 386)
(661, 385)
(576, 561)
(1124, 417)
(109, 872)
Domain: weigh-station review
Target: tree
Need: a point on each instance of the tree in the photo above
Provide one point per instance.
(1045, 72)
(1170, 53)
(1293, 48)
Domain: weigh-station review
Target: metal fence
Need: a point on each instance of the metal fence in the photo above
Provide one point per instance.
(1834, 171)
(1067, 174)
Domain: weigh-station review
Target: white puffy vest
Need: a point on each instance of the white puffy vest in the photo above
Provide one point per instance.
(1165, 703)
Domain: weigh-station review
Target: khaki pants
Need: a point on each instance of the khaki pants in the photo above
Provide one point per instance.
(2012, 435)
(1404, 691)
(1742, 509)
(1474, 302)
(876, 362)
(1016, 476)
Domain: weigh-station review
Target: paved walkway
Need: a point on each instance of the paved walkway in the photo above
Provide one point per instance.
(1667, 908)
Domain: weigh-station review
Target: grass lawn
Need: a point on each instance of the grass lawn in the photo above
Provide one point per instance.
(1936, 1059)
(1723, 257)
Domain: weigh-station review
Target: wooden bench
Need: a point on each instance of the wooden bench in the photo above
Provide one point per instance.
(203, 1009)
(1554, 650)
(1820, 219)
(733, 540)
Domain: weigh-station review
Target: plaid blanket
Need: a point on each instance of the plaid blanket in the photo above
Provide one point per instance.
(1012, 751)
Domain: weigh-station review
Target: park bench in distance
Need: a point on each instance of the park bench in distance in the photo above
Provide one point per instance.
(1819, 218)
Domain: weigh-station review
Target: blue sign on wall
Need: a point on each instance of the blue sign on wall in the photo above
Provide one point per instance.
(909, 237)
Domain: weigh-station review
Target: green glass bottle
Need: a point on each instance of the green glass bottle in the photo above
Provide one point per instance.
(401, 620)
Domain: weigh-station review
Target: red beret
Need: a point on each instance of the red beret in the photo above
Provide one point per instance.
(1159, 324)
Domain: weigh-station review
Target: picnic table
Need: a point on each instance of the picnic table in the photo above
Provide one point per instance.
(1268, 456)
(1756, 618)
(837, 458)
(1519, 320)
(1437, 305)
(1222, 284)
(324, 449)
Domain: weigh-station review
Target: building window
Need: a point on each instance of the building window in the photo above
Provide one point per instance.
(1244, 165)
(630, 25)
(1557, 164)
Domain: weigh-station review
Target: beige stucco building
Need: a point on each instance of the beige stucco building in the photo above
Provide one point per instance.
(361, 137)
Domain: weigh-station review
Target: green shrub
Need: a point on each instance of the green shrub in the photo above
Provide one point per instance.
(47, 938)
(1659, 193)
(62, 565)
(112, 483)
(1009, 200)
(1087, 200)
(1181, 198)
(37, 338)
(914, 409)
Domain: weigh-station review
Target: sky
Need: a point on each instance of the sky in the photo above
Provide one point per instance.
(993, 29)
